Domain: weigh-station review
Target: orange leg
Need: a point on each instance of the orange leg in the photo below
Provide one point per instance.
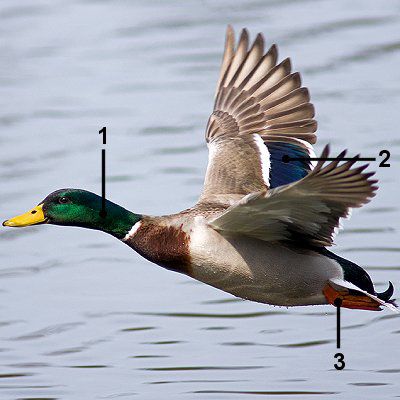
(356, 301)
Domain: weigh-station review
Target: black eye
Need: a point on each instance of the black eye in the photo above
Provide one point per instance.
(64, 200)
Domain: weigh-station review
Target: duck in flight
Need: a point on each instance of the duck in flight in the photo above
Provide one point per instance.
(263, 221)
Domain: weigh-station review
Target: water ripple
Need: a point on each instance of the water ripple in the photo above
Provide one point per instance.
(209, 315)
(48, 331)
(14, 375)
(22, 11)
(179, 150)
(306, 344)
(206, 368)
(138, 329)
(368, 249)
(368, 384)
(367, 54)
(166, 129)
(19, 271)
(165, 342)
(197, 381)
(334, 26)
(66, 351)
(149, 356)
(265, 393)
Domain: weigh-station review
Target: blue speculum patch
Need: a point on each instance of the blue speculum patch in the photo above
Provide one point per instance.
(282, 172)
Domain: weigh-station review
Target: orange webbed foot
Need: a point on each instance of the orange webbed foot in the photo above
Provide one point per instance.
(350, 299)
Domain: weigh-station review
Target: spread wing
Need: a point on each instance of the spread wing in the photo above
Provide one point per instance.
(260, 112)
(306, 211)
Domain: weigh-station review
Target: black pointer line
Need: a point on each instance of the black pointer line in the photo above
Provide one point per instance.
(286, 158)
(338, 303)
(103, 211)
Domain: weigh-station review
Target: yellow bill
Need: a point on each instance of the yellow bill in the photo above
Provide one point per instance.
(32, 217)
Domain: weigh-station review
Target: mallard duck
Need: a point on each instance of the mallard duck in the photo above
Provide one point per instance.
(267, 212)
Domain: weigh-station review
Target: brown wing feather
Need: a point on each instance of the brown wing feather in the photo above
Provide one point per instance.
(255, 97)
(258, 95)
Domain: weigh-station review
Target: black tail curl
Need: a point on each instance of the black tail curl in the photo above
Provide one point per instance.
(387, 294)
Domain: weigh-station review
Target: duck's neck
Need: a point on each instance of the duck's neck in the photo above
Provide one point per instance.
(117, 222)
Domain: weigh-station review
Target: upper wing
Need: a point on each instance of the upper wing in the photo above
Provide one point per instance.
(305, 211)
(255, 98)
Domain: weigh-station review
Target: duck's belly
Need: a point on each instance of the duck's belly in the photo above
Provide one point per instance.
(260, 271)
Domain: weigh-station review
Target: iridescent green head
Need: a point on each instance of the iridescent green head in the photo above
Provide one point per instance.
(76, 207)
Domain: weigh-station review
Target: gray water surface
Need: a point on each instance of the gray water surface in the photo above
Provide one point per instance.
(84, 317)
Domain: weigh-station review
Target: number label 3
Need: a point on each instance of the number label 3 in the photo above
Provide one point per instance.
(340, 361)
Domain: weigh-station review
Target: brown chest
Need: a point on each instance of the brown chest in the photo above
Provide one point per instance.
(166, 246)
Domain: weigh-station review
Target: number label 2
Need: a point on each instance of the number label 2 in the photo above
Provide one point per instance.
(386, 156)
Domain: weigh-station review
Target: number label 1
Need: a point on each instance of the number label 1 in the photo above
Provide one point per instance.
(386, 156)
(340, 361)
(103, 131)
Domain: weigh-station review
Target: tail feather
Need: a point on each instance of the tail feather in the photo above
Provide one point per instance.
(387, 294)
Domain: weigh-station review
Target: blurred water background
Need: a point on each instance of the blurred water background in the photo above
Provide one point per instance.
(84, 317)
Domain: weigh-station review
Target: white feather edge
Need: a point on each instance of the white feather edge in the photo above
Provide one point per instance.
(340, 283)
(265, 160)
(310, 150)
(132, 231)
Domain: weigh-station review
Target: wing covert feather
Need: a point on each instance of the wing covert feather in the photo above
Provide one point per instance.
(306, 211)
